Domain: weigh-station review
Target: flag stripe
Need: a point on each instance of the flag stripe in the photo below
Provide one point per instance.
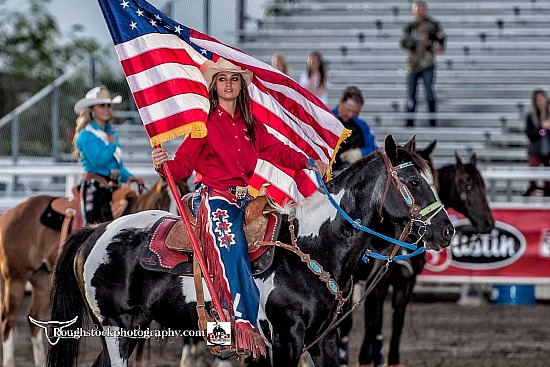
(276, 127)
(171, 106)
(293, 101)
(152, 58)
(164, 72)
(162, 91)
(280, 179)
(154, 41)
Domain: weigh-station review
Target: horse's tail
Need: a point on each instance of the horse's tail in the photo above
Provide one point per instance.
(67, 301)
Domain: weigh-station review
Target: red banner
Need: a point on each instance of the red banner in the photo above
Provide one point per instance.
(517, 251)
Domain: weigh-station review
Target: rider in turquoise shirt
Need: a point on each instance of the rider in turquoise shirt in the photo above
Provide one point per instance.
(97, 147)
(98, 157)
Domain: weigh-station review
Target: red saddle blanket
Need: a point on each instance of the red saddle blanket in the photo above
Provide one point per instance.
(169, 247)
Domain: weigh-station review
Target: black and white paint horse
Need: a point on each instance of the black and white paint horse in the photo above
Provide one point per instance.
(99, 271)
(459, 186)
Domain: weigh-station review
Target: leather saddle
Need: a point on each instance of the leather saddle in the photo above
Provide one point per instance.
(54, 215)
(169, 248)
(60, 207)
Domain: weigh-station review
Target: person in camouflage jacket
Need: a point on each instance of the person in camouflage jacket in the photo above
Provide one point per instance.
(422, 38)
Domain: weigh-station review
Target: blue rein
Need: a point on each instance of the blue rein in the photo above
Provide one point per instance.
(357, 224)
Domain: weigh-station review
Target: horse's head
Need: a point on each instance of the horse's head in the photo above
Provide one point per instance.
(158, 196)
(471, 193)
(407, 198)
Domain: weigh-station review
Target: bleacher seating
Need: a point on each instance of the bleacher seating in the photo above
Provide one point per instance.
(496, 54)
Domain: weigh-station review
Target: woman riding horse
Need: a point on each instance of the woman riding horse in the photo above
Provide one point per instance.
(97, 147)
(224, 166)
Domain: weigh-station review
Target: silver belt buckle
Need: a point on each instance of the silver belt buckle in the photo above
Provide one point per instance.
(241, 192)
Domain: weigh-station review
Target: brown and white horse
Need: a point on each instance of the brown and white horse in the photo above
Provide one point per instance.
(28, 252)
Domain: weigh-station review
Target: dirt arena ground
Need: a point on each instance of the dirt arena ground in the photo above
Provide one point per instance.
(438, 333)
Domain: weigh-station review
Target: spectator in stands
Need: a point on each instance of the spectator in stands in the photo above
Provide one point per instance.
(97, 147)
(278, 61)
(315, 78)
(361, 142)
(538, 132)
(422, 38)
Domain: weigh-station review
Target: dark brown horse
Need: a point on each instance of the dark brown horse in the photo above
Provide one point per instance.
(28, 251)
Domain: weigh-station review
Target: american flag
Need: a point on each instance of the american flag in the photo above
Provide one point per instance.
(161, 60)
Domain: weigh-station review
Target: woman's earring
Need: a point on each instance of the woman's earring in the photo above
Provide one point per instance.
(92, 115)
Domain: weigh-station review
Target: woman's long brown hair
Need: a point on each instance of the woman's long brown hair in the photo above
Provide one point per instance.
(243, 102)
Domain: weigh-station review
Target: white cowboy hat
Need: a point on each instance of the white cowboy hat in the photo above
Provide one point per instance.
(95, 96)
(210, 68)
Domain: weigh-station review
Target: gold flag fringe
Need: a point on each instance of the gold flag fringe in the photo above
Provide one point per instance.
(195, 129)
(345, 134)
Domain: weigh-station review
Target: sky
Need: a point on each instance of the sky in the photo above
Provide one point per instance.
(187, 12)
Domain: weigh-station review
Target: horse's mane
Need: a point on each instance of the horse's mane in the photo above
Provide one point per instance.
(402, 152)
(416, 159)
(150, 198)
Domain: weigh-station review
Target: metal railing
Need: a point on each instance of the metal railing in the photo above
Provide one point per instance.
(43, 125)
(58, 179)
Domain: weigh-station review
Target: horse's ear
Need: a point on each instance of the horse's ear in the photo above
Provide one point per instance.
(473, 160)
(391, 148)
(429, 149)
(459, 163)
(410, 144)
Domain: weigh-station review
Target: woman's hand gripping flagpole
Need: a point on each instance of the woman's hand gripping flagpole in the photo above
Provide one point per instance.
(196, 249)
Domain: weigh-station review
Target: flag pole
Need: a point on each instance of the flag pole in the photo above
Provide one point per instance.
(196, 249)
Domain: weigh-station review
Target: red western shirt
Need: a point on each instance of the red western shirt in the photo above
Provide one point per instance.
(225, 157)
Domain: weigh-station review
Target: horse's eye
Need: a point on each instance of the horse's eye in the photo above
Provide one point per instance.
(415, 182)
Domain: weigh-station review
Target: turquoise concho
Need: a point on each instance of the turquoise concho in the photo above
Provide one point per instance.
(315, 267)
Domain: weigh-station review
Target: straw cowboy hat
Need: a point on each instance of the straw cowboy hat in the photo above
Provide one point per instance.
(210, 68)
(95, 96)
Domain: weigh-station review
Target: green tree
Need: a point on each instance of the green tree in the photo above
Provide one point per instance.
(33, 53)
(33, 46)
